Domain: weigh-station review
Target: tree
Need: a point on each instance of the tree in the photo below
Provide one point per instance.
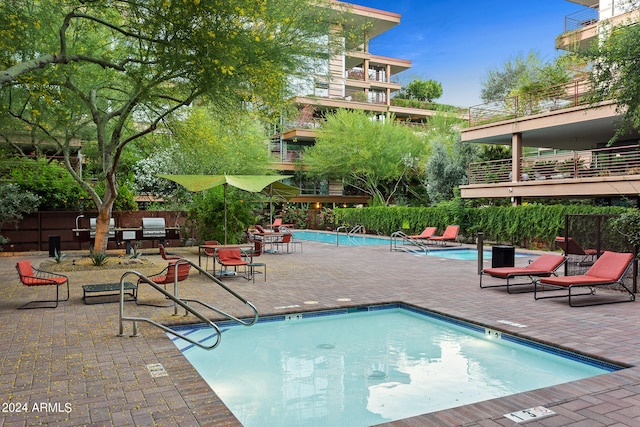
(616, 61)
(14, 203)
(427, 90)
(205, 142)
(528, 75)
(115, 71)
(370, 155)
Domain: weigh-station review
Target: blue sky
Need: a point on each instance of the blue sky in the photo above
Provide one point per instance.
(457, 42)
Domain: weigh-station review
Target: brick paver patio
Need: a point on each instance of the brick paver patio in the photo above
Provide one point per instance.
(68, 367)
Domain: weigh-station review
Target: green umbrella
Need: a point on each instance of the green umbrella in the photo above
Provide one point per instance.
(251, 183)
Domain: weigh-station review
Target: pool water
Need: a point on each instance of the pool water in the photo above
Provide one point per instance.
(465, 254)
(341, 239)
(360, 367)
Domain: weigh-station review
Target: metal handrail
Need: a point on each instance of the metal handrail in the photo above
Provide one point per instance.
(356, 229)
(182, 302)
(406, 240)
(342, 227)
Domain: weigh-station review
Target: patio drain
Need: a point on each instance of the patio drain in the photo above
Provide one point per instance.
(157, 370)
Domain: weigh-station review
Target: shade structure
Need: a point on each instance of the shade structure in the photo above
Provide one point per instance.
(251, 183)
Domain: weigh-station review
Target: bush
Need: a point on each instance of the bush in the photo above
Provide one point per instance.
(528, 226)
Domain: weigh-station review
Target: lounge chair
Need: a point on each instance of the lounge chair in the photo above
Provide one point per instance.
(277, 223)
(608, 270)
(571, 247)
(426, 234)
(30, 276)
(165, 256)
(231, 257)
(544, 266)
(450, 235)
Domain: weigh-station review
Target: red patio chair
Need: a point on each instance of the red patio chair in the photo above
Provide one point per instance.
(210, 253)
(231, 257)
(571, 247)
(544, 266)
(30, 276)
(450, 235)
(426, 234)
(165, 255)
(608, 270)
(168, 275)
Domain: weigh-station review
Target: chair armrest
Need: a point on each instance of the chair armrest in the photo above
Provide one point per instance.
(42, 274)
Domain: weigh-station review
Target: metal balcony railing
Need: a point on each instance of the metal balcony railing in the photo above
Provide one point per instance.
(613, 161)
(567, 95)
(581, 19)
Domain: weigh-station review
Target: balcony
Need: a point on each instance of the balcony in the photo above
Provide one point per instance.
(606, 172)
(580, 19)
(572, 94)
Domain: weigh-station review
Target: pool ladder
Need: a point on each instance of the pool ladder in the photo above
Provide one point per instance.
(355, 229)
(400, 241)
(184, 303)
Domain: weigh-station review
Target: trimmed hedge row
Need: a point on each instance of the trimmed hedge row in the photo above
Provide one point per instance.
(528, 226)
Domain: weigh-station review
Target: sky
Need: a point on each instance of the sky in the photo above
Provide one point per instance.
(457, 42)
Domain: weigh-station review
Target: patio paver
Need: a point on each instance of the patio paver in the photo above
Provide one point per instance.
(70, 368)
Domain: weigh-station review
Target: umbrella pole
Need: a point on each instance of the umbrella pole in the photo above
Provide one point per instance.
(224, 186)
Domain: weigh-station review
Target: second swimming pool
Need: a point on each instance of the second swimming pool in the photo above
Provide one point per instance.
(369, 365)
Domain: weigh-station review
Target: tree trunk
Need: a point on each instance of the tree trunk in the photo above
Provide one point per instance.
(104, 215)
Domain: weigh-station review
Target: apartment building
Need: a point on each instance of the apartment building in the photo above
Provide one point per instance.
(570, 137)
(356, 79)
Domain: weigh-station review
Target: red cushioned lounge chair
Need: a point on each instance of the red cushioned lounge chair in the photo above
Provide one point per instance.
(450, 235)
(544, 266)
(30, 276)
(571, 247)
(426, 234)
(608, 270)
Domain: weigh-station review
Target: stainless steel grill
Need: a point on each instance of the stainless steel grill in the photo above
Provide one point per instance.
(153, 228)
(112, 228)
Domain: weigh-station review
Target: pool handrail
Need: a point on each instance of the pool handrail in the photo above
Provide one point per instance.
(342, 227)
(183, 302)
(355, 229)
(406, 240)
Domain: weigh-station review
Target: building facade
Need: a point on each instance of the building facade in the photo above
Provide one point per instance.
(355, 79)
(569, 136)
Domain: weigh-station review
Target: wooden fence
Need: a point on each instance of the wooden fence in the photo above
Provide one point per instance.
(36, 231)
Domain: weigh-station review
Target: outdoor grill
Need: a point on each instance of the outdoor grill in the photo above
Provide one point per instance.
(153, 228)
(112, 228)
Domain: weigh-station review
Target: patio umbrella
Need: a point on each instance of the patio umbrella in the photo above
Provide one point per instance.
(251, 183)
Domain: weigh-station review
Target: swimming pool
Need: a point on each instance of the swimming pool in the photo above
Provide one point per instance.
(341, 239)
(364, 366)
(465, 254)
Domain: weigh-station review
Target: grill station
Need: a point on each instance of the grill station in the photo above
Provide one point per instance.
(152, 229)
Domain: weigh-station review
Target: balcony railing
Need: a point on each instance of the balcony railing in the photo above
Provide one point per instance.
(614, 161)
(374, 75)
(567, 95)
(581, 19)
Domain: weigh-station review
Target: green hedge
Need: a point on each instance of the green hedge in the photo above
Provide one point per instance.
(528, 226)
